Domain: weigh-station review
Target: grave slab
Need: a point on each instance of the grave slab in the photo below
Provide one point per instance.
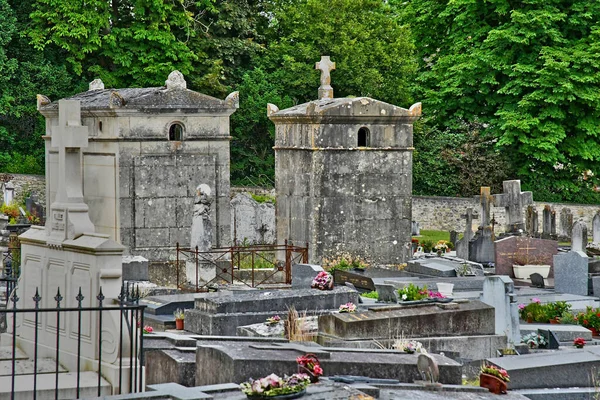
(565, 333)
(471, 318)
(431, 267)
(224, 361)
(557, 369)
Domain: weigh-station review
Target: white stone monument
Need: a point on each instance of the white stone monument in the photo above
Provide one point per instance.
(201, 238)
(68, 255)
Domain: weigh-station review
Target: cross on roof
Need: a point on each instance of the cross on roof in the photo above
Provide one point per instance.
(513, 201)
(325, 66)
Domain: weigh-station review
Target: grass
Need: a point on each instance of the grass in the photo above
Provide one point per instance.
(435, 236)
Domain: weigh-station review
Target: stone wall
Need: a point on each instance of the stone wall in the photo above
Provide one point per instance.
(26, 184)
(444, 213)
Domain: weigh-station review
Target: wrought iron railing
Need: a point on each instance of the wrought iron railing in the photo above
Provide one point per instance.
(131, 328)
(229, 261)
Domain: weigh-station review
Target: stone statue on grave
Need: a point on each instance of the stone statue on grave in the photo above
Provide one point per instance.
(201, 237)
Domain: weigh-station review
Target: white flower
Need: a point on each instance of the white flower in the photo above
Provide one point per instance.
(404, 296)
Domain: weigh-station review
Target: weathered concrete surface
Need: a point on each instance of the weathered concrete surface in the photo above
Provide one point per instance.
(252, 222)
(337, 196)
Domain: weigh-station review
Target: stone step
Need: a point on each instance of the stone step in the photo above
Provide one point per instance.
(6, 353)
(67, 386)
(25, 367)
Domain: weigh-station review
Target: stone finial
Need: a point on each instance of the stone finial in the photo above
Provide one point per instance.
(176, 81)
(271, 109)
(116, 100)
(42, 100)
(233, 99)
(96, 84)
(415, 110)
(326, 66)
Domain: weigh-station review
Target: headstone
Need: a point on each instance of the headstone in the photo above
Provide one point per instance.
(566, 223)
(513, 201)
(481, 246)
(9, 192)
(201, 237)
(462, 247)
(498, 291)
(509, 249)
(553, 224)
(596, 285)
(531, 221)
(547, 222)
(360, 281)
(303, 275)
(387, 293)
(571, 271)
(453, 238)
(416, 231)
(596, 228)
(537, 280)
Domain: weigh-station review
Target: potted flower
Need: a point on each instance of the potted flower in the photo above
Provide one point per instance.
(179, 319)
(555, 310)
(441, 247)
(347, 308)
(323, 281)
(533, 312)
(148, 329)
(524, 265)
(493, 378)
(412, 292)
(534, 341)
(275, 387)
(590, 319)
(309, 364)
(274, 320)
(579, 342)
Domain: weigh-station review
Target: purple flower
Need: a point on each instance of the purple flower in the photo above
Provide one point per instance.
(536, 300)
(521, 306)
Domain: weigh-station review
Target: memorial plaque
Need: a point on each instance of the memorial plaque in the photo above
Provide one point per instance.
(360, 282)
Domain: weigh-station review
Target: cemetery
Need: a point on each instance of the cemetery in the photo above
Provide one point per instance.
(143, 277)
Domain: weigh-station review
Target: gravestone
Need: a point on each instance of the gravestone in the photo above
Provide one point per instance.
(499, 292)
(571, 268)
(359, 280)
(453, 238)
(303, 275)
(566, 223)
(201, 238)
(508, 249)
(9, 192)
(462, 246)
(481, 246)
(531, 221)
(596, 228)
(35, 208)
(387, 293)
(68, 255)
(548, 216)
(513, 201)
(135, 268)
(416, 231)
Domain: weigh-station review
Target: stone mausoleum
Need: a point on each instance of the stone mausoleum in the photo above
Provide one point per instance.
(343, 175)
(148, 150)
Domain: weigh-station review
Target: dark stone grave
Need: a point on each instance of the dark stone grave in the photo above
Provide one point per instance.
(356, 277)
(538, 251)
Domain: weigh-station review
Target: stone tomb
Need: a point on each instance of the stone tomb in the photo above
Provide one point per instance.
(420, 320)
(537, 251)
(571, 269)
(566, 368)
(221, 314)
(221, 360)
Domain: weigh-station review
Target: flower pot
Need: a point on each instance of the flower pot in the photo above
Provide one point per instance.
(179, 324)
(492, 383)
(594, 331)
(445, 288)
(529, 320)
(554, 321)
(303, 370)
(524, 271)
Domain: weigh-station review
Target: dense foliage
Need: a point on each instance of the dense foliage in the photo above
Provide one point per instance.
(509, 89)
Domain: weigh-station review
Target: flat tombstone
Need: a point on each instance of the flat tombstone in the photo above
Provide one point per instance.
(361, 282)
(303, 275)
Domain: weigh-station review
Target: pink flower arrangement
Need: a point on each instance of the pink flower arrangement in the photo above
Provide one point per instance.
(310, 363)
(498, 372)
(148, 329)
(536, 300)
(323, 281)
(347, 308)
(579, 342)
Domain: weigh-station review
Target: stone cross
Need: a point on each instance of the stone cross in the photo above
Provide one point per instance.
(596, 228)
(513, 201)
(69, 216)
(469, 215)
(579, 237)
(485, 201)
(326, 66)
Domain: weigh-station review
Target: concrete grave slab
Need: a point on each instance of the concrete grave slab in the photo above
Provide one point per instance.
(432, 267)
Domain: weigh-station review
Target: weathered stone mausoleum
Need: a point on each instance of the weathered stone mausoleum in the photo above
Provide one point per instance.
(343, 175)
(148, 150)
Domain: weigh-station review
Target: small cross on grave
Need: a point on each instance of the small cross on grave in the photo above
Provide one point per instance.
(469, 216)
(485, 200)
(326, 66)
(69, 216)
(525, 260)
(513, 201)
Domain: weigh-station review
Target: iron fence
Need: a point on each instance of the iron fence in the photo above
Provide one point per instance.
(131, 328)
(229, 262)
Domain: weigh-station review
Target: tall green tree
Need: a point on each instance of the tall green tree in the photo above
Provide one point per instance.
(528, 72)
(373, 53)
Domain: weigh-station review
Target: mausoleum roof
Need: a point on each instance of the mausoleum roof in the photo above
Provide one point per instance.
(347, 107)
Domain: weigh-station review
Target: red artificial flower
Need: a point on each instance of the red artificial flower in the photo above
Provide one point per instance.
(318, 370)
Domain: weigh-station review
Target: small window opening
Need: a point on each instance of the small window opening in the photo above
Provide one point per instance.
(363, 137)
(176, 132)
(100, 126)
